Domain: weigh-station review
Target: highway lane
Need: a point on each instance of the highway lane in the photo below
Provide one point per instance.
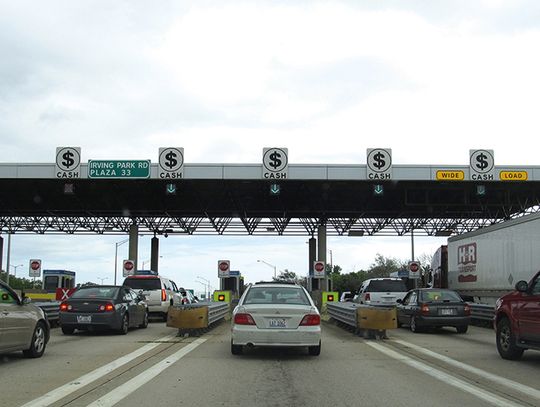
(351, 371)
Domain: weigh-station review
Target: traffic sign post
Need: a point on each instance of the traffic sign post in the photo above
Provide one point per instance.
(68, 162)
(224, 268)
(318, 269)
(379, 163)
(35, 268)
(171, 163)
(129, 268)
(414, 270)
(275, 163)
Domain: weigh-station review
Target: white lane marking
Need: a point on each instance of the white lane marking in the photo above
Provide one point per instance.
(73, 386)
(119, 393)
(529, 391)
(445, 378)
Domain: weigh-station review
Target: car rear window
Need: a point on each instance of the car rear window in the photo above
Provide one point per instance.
(276, 295)
(145, 284)
(96, 292)
(439, 296)
(379, 286)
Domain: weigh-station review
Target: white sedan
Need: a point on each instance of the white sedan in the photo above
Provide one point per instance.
(276, 314)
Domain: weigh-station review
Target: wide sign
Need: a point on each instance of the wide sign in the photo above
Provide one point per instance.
(131, 169)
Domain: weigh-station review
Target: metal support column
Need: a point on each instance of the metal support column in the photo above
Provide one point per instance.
(154, 254)
(312, 256)
(134, 244)
(2, 252)
(321, 253)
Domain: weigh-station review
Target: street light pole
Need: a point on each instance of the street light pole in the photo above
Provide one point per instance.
(116, 257)
(15, 267)
(102, 279)
(270, 265)
(208, 281)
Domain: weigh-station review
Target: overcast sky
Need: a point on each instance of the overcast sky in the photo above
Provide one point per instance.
(223, 79)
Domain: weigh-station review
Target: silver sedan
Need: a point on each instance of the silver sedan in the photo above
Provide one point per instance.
(272, 314)
(23, 326)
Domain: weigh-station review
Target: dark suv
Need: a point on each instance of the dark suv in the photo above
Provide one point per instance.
(517, 319)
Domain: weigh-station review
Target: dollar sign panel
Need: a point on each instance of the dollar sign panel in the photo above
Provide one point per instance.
(171, 162)
(482, 165)
(68, 162)
(275, 163)
(379, 163)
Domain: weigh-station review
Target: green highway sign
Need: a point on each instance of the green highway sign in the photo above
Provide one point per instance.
(119, 169)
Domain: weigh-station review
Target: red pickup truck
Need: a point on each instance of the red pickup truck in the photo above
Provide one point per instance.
(517, 319)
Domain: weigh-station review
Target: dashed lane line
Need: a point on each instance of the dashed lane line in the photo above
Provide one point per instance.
(121, 392)
(77, 384)
(446, 378)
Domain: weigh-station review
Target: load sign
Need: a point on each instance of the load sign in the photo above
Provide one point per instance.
(224, 267)
(129, 268)
(414, 269)
(318, 269)
(35, 268)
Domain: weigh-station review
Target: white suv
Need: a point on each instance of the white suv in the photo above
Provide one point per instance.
(160, 292)
(381, 291)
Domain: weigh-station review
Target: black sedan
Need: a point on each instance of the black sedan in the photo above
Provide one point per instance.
(432, 308)
(103, 307)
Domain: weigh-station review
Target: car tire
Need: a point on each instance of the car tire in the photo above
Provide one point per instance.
(236, 349)
(165, 315)
(414, 326)
(124, 326)
(145, 321)
(67, 330)
(39, 341)
(506, 341)
(462, 329)
(315, 350)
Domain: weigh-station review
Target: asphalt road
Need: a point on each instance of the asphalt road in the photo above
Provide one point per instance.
(154, 367)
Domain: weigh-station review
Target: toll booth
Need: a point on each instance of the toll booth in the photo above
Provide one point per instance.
(233, 283)
(53, 279)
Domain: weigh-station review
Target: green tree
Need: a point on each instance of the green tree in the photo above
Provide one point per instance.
(19, 283)
(291, 276)
(384, 266)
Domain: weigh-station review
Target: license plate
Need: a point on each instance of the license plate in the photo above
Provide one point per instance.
(84, 319)
(447, 311)
(278, 323)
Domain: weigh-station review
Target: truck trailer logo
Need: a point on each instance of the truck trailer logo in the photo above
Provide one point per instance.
(467, 263)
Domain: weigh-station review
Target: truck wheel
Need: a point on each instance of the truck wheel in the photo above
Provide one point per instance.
(506, 341)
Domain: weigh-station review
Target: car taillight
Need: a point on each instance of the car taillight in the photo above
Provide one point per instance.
(243, 319)
(424, 309)
(311, 320)
(106, 307)
(65, 307)
(467, 309)
(367, 297)
(163, 295)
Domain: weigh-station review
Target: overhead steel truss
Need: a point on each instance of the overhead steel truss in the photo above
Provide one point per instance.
(248, 226)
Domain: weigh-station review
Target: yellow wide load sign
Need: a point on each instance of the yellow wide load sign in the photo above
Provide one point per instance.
(369, 317)
(450, 175)
(513, 176)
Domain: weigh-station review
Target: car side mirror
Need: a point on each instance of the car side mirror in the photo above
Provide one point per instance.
(522, 286)
(26, 300)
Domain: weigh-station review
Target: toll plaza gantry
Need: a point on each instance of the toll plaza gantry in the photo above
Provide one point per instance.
(272, 198)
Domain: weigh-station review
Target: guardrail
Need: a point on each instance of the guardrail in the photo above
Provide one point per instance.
(51, 310)
(343, 312)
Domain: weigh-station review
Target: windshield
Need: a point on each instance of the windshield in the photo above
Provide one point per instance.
(439, 296)
(96, 292)
(145, 284)
(276, 295)
(378, 286)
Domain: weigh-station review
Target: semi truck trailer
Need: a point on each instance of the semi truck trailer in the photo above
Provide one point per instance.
(485, 264)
